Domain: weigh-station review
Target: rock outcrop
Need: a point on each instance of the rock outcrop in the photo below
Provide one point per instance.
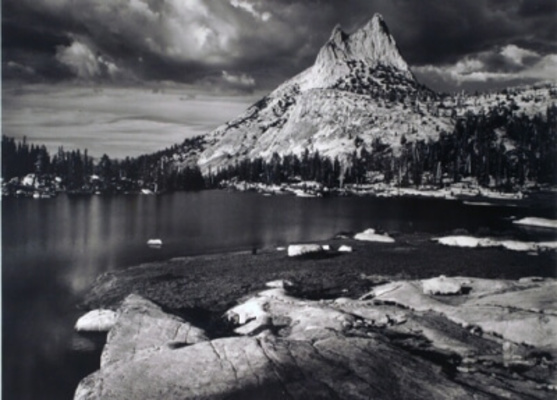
(523, 312)
(142, 328)
(96, 321)
(441, 285)
(343, 348)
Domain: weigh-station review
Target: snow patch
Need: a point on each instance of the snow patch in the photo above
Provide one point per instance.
(538, 222)
(515, 245)
(369, 235)
(345, 249)
(296, 250)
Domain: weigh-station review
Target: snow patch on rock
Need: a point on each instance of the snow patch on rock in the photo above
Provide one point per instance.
(369, 235)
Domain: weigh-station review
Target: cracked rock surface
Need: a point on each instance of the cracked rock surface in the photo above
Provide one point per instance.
(394, 343)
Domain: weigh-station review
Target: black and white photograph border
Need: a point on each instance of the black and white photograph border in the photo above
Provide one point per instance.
(279, 199)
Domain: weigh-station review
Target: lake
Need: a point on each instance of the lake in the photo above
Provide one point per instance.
(52, 250)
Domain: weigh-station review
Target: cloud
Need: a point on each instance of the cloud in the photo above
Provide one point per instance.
(84, 63)
(517, 55)
(269, 40)
(239, 80)
(175, 39)
(509, 63)
(250, 8)
(80, 59)
(20, 68)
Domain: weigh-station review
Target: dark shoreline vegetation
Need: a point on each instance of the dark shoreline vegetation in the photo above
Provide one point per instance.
(203, 287)
(473, 152)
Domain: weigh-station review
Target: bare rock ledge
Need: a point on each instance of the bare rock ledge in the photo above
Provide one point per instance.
(397, 342)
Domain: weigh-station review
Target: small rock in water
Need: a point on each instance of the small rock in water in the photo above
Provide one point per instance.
(154, 242)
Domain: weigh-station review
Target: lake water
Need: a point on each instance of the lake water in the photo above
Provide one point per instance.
(53, 249)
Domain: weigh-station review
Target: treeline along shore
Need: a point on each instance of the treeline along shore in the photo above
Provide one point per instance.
(29, 168)
(473, 152)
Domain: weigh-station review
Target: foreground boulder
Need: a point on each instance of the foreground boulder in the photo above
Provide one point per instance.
(142, 328)
(96, 321)
(341, 349)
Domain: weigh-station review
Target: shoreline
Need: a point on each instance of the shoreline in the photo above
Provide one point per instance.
(214, 281)
(464, 192)
(228, 318)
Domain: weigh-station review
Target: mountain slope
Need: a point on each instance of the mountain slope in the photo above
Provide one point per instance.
(359, 87)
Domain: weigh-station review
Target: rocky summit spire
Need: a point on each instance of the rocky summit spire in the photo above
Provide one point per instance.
(372, 44)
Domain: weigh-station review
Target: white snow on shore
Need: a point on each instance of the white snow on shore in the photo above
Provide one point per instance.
(369, 235)
(515, 245)
(296, 250)
(538, 222)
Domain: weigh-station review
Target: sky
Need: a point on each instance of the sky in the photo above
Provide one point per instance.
(126, 77)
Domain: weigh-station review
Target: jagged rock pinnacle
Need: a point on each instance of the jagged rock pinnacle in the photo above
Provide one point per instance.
(337, 35)
(372, 44)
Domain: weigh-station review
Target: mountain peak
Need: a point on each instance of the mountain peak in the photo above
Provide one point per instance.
(377, 24)
(337, 35)
(371, 44)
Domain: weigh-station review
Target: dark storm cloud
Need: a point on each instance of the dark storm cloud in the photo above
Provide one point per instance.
(256, 43)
